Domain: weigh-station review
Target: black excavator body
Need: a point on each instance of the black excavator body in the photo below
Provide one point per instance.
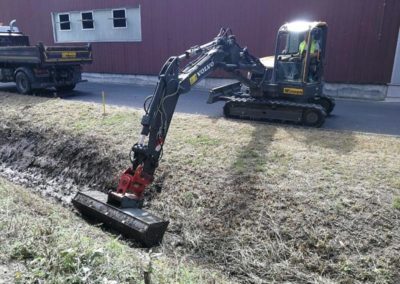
(291, 88)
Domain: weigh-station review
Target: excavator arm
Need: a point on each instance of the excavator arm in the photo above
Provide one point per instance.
(120, 209)
(222, 53)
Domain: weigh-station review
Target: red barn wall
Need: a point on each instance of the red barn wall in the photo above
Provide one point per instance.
(361, 43)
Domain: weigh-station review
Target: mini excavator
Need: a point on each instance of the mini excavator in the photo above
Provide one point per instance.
(285, 87)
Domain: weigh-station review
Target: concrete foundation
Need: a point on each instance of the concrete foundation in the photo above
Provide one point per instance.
(353, 91)
(393, 91)
(394, 86)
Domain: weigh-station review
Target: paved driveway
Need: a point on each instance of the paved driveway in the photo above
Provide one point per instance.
(354, 115)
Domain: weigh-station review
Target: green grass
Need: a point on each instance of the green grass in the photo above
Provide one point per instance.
(396, 203)
(56, 246)
(256, 202)
(203, 140)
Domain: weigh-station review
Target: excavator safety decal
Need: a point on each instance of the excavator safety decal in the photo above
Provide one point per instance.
(68, 54)
(193, 79)
(293, 91)
(205, 68)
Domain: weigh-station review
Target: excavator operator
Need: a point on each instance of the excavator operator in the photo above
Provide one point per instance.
(315, 50)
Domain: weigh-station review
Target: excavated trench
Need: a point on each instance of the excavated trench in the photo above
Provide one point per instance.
(54, 163)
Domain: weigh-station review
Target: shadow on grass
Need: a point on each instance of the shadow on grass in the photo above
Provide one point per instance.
(342, 142)
(244, 184)
(250, 162)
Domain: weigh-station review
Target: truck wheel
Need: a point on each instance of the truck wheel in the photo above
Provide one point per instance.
(24, 85)
(65, 88)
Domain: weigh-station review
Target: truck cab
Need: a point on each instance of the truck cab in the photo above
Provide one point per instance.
(11, 36)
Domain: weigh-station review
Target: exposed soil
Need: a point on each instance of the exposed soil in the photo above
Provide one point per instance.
(54, 163)
(265, 204)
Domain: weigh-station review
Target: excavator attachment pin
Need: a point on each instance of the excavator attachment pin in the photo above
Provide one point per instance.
(132, 223)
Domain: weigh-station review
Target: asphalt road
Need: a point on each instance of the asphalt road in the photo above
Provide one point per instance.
(352, 115)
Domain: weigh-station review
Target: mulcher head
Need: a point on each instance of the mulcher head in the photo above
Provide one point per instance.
(133, 223)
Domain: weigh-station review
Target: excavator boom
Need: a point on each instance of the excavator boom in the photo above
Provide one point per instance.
(122, 209)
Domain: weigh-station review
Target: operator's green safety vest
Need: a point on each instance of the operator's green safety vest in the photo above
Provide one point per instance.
(303, 46)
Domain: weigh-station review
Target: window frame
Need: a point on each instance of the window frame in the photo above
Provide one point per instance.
(59, 22)
(125, 18)
(85, 12)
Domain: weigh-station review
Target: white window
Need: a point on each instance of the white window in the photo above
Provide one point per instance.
(87, 21)
(65, 24)
(116, 24)
(119, 18)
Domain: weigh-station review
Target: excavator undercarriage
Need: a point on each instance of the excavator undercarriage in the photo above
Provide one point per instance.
(240, 105)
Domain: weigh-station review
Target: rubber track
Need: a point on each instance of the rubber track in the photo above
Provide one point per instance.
(274, 103)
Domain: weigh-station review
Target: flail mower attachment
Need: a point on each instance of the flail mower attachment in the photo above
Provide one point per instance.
(119, 213)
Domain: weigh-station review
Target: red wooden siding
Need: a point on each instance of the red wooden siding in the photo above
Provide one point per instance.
(361, 45)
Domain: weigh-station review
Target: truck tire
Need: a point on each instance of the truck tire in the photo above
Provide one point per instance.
(24, 84)
(66, 88)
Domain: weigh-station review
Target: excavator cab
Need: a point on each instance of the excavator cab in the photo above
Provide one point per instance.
(299, 54)
(297, 68)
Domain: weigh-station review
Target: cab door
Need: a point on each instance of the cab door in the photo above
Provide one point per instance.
(314, 56)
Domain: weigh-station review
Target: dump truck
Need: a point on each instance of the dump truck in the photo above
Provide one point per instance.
(39, 66)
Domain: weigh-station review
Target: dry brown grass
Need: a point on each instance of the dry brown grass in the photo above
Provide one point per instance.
(260, 202)
(42, 242)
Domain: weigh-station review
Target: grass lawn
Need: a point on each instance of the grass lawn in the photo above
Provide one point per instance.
(41, 240)
(253, 202)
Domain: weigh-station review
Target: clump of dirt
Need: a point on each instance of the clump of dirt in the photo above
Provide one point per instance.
(55, 163)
